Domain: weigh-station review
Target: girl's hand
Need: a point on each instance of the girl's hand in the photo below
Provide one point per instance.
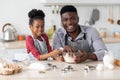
(56, 52)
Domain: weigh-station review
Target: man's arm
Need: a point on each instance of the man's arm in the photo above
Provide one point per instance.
(92, 57)
(84, 56)
(98, 45)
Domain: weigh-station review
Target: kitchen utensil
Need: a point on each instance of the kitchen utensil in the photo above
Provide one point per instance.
(94, 17)
(110, 19)
(53, 9)
(9, 33)
(118, 22)
(21, 37)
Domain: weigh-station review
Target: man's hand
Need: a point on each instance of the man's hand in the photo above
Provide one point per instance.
(60, 58)
(69, 49)
(83, 56)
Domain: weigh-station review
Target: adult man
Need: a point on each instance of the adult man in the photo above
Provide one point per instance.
(74, 37)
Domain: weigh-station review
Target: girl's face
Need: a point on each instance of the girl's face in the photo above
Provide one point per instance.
(37, 27)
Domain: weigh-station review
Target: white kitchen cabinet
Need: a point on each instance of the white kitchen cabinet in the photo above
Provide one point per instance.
(115, 48)
(80, 2)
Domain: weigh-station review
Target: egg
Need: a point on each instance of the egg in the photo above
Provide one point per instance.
(100, 67)
(110, 66)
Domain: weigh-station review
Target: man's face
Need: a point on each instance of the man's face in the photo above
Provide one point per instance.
(70, 21)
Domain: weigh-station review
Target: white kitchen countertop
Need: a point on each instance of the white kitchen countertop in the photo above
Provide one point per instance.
(21, 44)
(77, 74)
(13, 44)
(111, 40)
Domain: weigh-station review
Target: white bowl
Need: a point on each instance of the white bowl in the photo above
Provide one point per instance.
(68, 58)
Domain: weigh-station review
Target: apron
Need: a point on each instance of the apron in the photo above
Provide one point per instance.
(81, 44)
(41, 45)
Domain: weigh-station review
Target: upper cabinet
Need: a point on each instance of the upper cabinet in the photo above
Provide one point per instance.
(80, 2)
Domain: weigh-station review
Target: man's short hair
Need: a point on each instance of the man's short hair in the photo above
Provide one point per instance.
(68, 8)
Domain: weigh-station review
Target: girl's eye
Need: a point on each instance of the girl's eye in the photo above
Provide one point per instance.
(37, 26)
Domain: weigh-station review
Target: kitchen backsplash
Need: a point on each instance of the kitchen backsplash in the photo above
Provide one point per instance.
(16, 13)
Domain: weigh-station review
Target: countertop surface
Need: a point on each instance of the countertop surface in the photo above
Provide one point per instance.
(78, 73)
(13, 44)
(111, 40)
(21, 44)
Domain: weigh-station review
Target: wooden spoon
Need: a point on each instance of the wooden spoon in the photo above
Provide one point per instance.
(118, 22)
(110, 19)
(109, 13)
